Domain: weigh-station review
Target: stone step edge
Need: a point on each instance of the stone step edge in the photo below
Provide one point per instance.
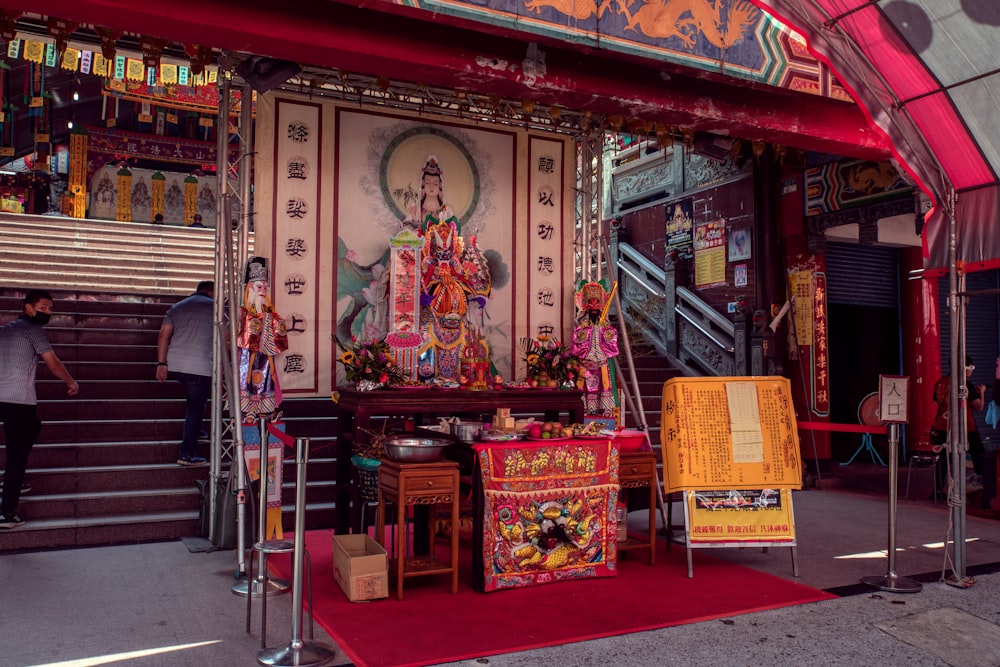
(104, 520)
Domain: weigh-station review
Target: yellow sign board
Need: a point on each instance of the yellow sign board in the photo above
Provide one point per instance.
(729, 433)
(745, 516)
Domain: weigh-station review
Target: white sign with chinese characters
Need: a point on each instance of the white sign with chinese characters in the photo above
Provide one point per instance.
(892, 392)
(546, 283)
(296, 204)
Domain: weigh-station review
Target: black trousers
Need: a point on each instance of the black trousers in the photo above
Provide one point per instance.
(21, 427)
(942, 467)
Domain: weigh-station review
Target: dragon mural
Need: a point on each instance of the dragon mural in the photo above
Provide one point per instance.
(720, 22)
(686, 19)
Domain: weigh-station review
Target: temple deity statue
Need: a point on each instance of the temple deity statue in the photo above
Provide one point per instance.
(595, 342)
(452, 273)
(262, 337)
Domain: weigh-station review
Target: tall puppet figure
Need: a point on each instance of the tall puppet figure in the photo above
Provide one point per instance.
(262, 337)
(595, 342)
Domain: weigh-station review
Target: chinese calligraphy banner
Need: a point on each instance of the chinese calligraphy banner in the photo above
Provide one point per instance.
(726, 433)
(546, 281)
(295, 251)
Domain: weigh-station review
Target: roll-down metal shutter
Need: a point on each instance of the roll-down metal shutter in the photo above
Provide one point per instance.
(862, 275)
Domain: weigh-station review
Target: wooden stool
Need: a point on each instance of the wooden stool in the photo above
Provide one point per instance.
(429, 484)
(638, 470)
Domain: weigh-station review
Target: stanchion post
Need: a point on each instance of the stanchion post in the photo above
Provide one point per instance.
(262, 584)
(298, 653)
(891, 581)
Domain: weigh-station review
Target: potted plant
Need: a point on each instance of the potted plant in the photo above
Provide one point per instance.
(549, 363)
(369, 364)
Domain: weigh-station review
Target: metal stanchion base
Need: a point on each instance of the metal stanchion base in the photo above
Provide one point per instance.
(305, 654)
(893, 583)
(274, 587)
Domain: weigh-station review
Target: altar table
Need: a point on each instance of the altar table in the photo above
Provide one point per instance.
(355, 411)
(544, 512)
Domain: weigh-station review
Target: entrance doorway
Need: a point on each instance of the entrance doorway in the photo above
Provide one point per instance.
(865, 334)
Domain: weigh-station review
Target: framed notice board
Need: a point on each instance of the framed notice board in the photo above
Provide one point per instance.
(729, 433)
(731, 444)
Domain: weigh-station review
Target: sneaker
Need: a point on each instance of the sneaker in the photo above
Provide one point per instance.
(10, 521)
(191, 461)
(25, 487)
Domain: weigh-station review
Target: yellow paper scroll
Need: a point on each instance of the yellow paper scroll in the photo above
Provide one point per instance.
(729, 433)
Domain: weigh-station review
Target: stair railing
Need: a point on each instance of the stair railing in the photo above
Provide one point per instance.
(643, 287)
(676, 321)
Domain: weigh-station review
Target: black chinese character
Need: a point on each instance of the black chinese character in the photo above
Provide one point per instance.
(546, 195)
(298, 131)
(295, 363)
(295, 248)
(298, 168)
(295, 284)
(295, 324)
(296, 208)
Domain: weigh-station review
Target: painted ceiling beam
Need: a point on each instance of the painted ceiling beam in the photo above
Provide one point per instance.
(397, 46)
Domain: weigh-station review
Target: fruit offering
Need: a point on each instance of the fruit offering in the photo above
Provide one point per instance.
(547, 430)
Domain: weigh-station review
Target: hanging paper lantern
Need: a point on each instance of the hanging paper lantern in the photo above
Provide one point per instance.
(190, 198)
(124, 210)
(159, 186)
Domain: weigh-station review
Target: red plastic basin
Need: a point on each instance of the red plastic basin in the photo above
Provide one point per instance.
(630, 441)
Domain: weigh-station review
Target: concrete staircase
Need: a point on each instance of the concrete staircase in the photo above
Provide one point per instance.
(103, 256)
(104, 469)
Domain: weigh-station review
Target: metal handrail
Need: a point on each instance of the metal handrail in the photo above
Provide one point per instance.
(705, 310)
(648, 269)
(708, 334)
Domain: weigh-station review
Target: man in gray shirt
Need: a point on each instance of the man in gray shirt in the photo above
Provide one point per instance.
(22, 343)
(184, 353)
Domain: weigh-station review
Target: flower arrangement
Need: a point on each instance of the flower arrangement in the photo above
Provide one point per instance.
(370, 361)
(549, 362)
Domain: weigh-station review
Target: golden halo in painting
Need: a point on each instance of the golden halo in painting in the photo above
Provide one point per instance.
(402, 166)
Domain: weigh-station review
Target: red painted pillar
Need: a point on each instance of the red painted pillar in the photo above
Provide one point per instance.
(921, 346)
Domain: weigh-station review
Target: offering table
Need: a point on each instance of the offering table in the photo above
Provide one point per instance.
(355, 411)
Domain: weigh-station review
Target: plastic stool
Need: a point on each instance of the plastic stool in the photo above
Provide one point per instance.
(267, 548)
(922, 459)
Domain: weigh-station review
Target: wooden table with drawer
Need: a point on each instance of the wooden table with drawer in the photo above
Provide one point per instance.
(638, 470)
(425, 484)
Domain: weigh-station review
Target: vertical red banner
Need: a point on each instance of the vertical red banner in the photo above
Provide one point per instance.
(820, 349)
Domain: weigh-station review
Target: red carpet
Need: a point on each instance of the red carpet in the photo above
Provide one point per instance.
(430, 625)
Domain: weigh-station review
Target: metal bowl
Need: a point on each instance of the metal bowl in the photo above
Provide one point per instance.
(467, 432)
(414, 449)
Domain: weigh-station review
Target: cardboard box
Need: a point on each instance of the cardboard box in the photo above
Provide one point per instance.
(360, 566)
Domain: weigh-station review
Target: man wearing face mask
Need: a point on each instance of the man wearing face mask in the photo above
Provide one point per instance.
(22, 343)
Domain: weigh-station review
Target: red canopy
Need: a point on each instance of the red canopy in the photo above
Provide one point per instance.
(926, 72)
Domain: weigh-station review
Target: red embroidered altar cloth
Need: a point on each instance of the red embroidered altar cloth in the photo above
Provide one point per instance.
(548, 512)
